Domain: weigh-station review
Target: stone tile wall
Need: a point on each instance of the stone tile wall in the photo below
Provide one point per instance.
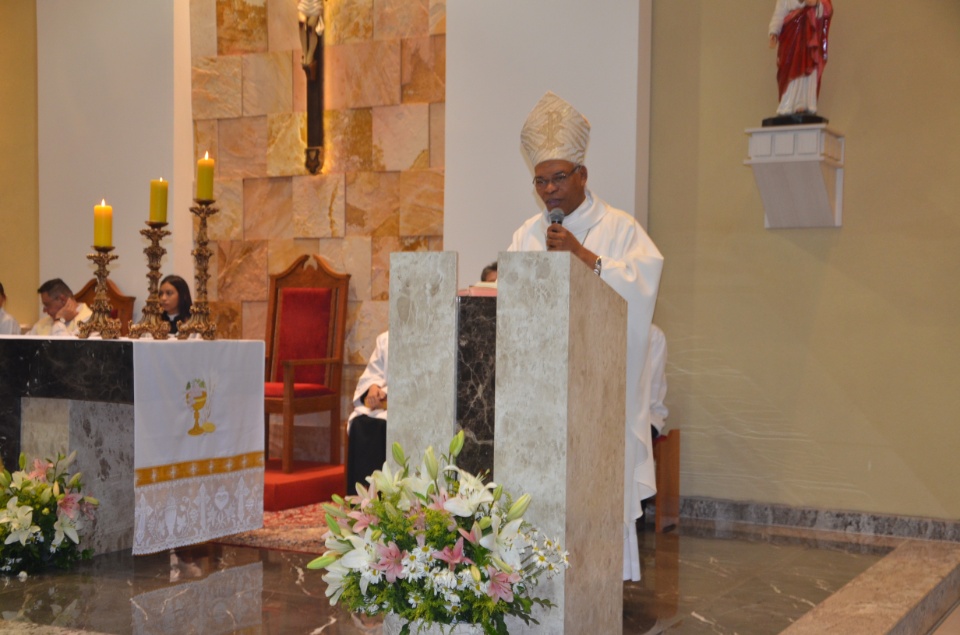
(381, 186)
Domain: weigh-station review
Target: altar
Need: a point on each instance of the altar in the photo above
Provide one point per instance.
(169, 435)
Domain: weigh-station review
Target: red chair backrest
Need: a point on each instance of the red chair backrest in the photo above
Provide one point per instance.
(303, 332)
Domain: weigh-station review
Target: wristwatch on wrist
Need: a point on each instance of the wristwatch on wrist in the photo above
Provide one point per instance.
(598, 265)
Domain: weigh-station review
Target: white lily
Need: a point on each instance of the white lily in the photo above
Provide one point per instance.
(20, 481)
(362, 553)
(334, 579)
(62, 527)
(387, 481)
(339, 545)
(502, 543)
(470, 496)
(416, 484)
(20, 519)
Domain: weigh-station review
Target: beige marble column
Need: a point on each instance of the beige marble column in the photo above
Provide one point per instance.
(561, 370)
(423, 351)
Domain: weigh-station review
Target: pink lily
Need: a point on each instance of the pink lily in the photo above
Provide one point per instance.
(439, 503)
(363, 520)
(69, 505)
(419, 520)
(501, 584)
(391, 561)
(454, 556)
(364, 495)
(474, 535)
(39, 472)
(438, 500)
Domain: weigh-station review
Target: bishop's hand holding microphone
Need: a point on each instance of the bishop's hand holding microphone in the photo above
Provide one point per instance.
(556, 233)
(560, 239)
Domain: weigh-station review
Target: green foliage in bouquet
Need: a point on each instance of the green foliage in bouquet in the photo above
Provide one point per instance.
(42, 516)
(435, 544)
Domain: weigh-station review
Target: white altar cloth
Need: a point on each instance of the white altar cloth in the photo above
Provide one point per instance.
(198, 441)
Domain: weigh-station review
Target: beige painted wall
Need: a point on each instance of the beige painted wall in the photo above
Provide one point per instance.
(819, 366)
(19, 201)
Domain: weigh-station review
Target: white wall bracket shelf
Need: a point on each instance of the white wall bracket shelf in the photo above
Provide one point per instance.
(799, 170)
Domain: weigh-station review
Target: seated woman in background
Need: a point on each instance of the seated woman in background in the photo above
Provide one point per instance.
(175, 301)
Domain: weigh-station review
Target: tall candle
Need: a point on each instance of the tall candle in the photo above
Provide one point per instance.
(205, 178)
(102, 225)
(158, 201)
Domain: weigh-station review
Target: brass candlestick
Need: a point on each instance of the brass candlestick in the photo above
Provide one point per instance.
(200, 321)
(101, 322)
(152, 321)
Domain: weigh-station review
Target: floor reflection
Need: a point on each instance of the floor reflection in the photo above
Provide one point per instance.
(699, 579)
(745, 580)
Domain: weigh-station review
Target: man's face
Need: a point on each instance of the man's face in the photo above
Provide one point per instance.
(556, 191)
(52, 304)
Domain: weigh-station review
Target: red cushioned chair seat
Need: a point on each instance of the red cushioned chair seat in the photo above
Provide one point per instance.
(274, 390)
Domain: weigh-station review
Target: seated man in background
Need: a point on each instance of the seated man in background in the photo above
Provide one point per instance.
(489, 273)
(63, 314)
(8, 324)
(367, 426)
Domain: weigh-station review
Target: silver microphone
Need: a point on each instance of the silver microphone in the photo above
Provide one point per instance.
(556, 216)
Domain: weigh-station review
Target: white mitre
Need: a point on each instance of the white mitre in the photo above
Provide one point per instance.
(555, 130)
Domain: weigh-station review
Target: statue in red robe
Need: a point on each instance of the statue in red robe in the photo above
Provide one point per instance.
(799, 30)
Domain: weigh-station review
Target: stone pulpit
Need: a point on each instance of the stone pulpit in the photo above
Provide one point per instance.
(558, 408)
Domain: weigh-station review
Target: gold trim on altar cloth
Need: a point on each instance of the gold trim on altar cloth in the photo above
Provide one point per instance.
(201, 467)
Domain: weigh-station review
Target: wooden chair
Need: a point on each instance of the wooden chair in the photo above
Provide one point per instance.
(666, 457)
(306, 328)
(122, 304)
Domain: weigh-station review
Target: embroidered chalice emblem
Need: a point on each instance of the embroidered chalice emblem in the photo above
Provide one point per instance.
(196, 397)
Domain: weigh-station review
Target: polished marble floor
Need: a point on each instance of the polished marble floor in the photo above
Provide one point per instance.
(699, 579)
(705, 579)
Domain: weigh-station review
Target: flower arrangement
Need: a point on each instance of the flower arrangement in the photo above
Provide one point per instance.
(42, 514)
(435, 545)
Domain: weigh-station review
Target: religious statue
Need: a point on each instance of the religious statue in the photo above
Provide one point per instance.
(798, 29)
(310, 17)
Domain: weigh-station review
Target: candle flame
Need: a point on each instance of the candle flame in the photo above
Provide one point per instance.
(206, 155)
(103, 202)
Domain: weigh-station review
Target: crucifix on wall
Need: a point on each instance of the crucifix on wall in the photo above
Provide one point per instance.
(310, 17)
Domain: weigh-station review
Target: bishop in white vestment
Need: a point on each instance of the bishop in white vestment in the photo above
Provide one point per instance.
(614, 244)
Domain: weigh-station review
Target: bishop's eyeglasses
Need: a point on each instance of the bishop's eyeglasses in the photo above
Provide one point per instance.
(557, 180)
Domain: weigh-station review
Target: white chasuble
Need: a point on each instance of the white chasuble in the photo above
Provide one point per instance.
(632, 266)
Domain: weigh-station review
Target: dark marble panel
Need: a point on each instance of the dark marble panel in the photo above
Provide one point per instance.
(476, 378)
(88, 370)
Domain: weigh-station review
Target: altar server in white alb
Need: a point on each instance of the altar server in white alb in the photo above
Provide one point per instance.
(613, 244)
(367, 425)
